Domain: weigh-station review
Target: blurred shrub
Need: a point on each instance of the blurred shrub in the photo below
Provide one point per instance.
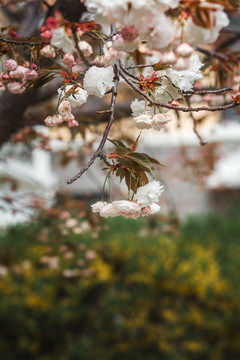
(121, 296)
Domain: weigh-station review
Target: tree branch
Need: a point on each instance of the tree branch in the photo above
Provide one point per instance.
(213, 53)
(173, 107)
(98, 152)
(204, 92)
(23, 42)
(139, 66)
(201, 141)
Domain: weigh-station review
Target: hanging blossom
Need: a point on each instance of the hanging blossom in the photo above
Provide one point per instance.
(145, 118)
(184, 79)
(68, 97)
(144, 203)
(147, 17)
(197, 35)
(17, 75)
(149, 193)
(98, 80)
(74, 94)
(61, 40)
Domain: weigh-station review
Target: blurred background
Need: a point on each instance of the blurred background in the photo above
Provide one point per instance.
(74, 286)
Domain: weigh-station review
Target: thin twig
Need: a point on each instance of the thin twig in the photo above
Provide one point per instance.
(173, 107)
(139, 66)
(213, 53)
(129, 74)
(23, 42)
(98, 152)
(79, 51)
(203, 92)
(201, 141)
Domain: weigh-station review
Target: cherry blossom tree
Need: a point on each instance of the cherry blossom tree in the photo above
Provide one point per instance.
(164, 50)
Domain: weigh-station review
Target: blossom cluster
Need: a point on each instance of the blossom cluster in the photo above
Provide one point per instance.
(96, 82)
(144, 203)
(17, 75)
(162, 33)
(148, 21)
(157, 121)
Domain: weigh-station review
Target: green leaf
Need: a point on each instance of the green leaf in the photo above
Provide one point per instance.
(121, 172)
(142, 160)
(125, 162)
(40, 81)
(153, 161)
(160, 66)
(135, 144)
(52, 67)
(118, 143)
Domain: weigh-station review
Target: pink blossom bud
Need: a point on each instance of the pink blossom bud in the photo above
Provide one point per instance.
(184, 50)
(85, 48)
(46, 35)
(53, 120)
(181, 64)
(48, 51)
(64, 108)
(159, 120)
(143, 121)
(175, 103)
(18, 73)
(169, 57)
(43, 28)
(51, 22)
(73, 123)
(5, 77)
(129, 33)
(31, 75)
(16, 87)
(68, 117)
(10, 65)
(2, 87)
(68, 60)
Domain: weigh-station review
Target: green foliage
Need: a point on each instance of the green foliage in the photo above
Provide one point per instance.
(131, 165)
(121, 296)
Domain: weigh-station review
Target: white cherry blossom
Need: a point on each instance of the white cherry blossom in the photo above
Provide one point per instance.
(198, 35)
(143, 121)
(149, 193)
(86, 48)
(48, 51)
(139, 107)
(184, 49)
(98, 206)
(10, 64)
(79, 98)
(185, 79)
(125, 206)
(62, 41)
(98, 80)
